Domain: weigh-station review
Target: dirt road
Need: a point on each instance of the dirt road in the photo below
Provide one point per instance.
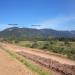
(55, 58)
(62, 65)
(10, 66)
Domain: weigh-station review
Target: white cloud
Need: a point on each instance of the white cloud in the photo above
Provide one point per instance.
(55, 23)
(4, 26)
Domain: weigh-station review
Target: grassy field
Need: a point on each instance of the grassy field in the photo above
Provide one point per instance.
(65, 48)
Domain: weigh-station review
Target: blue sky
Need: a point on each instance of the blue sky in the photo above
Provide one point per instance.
(55, 14)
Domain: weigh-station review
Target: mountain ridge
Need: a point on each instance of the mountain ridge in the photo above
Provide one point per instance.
(31, 33)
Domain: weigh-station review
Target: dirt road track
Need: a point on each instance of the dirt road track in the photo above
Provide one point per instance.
(10, 66)
(63, 65)
(55, 58)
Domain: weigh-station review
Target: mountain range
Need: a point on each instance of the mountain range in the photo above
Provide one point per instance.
(30, 33)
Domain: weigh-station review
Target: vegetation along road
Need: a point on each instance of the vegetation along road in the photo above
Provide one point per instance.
(62, 65)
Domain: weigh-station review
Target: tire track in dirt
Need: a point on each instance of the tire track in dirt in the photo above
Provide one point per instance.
(66, 66)
(10, 66)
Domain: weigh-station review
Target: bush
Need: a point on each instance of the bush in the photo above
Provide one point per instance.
(34, 45)
(16, 41)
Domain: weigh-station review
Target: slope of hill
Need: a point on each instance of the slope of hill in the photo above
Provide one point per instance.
(29, 33)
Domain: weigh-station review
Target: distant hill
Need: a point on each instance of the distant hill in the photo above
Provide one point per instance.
(29, 33)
